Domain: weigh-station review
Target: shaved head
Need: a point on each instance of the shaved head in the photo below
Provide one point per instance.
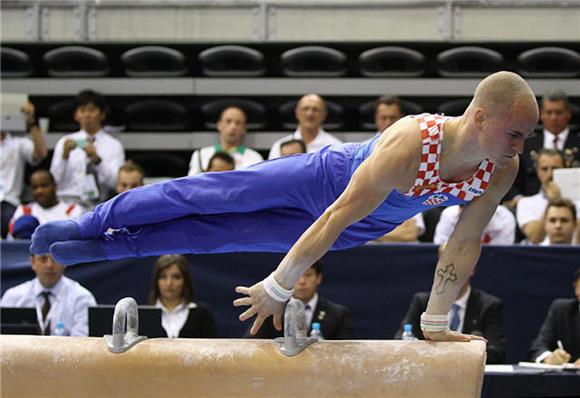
(501, 91)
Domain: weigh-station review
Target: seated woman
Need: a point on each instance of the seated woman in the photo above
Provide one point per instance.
(172, 290)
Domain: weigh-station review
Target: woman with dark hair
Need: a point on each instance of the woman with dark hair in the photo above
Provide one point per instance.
(172, 290)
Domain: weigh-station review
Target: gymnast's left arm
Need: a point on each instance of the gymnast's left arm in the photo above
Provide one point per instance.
(460, 256)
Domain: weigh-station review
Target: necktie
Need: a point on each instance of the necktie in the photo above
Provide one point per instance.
(556, 143)
(44, 310)
(307, 317)
(454, 317)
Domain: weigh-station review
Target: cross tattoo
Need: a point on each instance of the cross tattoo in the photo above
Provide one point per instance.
(445, 275)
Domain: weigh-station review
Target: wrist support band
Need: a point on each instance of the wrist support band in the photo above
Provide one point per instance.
(274, 290)
(433, 323)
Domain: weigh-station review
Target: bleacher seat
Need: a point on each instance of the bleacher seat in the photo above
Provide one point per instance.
(61, 116)
(154, 61)
(161, 164)
(232, 61)
(157, 115)
(76, 61)
(255, 112)
(454, 107)
(391, 61)
(469, 61)
(15, 63)
(334, 118)
(313, 61)
(554, 62)
(367, 113)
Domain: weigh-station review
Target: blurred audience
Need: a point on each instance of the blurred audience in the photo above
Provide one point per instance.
(57, 299)
(16, 152)
(46, 207)
(530, 209)
(221, 161)
(560, 223)
(501, 229)
(335, 319)
(310, 114)
(129, 176)
(387, 111)
(473, 312)
(85, 164)
(292, 147)
(232, 129)
(173, 291)
(558, 341)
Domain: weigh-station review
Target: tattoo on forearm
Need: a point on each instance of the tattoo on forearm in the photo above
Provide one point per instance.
(445, 275)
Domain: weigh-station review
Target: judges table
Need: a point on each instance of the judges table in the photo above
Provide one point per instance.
(526, 382)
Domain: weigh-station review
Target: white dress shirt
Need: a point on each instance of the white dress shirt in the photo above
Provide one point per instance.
(70, 174)
(60, 211)
(501, 229)
(244, 158)
(532, 208)
(15, 153)
(69, 303)
(549, 139)
(322, 139)
(462, 303)
(173, 320)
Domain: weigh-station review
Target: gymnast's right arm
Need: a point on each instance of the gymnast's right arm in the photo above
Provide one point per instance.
(393, 165)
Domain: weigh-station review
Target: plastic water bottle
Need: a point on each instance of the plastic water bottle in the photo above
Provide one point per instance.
(408, 332)
(315, 332)
(59, 329)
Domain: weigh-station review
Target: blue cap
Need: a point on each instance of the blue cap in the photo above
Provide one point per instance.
(408, 327)
(316, 325)
(24, 227)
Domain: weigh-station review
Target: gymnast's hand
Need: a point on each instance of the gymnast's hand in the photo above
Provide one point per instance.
(450, 335)
(261, 305)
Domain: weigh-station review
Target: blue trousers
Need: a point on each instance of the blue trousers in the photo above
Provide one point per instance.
(263, 208)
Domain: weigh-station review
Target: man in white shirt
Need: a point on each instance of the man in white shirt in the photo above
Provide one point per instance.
(310, 113)
(16, 152)
(57, 299)
(46, 207)
(560, 223)
(85, 164)
(530, 209)
(232, 128)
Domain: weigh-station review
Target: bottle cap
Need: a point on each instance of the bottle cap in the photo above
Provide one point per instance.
(316, 325)
(408, 327)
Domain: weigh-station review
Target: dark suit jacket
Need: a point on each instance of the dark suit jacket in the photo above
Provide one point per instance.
(527, 182)
(483, 316)
(199, 324)
(562, 323)
(335, 322)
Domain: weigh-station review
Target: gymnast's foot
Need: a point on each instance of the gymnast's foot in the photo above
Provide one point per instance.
(51, 232)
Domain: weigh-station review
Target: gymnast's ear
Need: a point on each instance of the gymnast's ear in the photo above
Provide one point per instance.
(479, 118)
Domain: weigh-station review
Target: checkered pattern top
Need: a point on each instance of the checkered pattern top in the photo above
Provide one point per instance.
(428, 181)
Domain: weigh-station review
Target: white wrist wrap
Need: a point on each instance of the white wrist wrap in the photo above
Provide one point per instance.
(433, 323)
(276, 291)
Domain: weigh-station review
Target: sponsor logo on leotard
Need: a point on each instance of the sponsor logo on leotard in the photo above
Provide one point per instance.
(435, 199)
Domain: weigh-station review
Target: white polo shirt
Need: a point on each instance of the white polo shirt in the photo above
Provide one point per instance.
(322, 139)
(15, 153)
(243, 157)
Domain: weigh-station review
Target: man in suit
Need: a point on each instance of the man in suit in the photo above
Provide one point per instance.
(562, 324)
(335, 320)
(473, 312)
(555, 115)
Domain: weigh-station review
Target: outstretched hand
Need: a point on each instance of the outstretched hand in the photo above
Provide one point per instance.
(450, 335)
(261, 305)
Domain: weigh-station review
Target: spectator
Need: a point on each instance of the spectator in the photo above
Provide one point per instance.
(555, 114)
(85, 164)
(46, 207)
(292, 147)
(310, 113)
(387, 111)
(473, 312)
(232, 128)
(560, 223)
(221, 161)
(130, 176)
(335, 320)
(172, 290)
(562, 324)
(55, 297)
(501, 229)
(16, 152)
(530, 209)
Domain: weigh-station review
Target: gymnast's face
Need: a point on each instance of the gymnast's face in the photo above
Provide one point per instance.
(170, 283)
(306, 286)
(46, 269)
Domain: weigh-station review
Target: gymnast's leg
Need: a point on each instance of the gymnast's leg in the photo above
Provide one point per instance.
(265, 231)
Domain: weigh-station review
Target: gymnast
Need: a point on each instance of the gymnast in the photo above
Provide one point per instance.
(337, 198)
